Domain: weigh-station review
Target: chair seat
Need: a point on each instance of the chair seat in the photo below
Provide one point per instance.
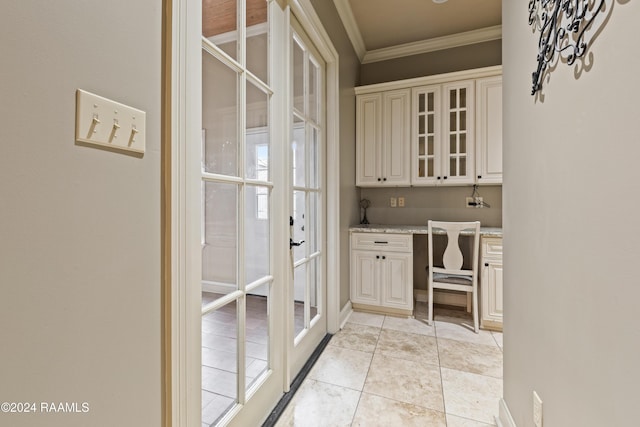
(452, 278)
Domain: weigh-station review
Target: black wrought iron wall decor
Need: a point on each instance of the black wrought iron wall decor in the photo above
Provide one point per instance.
(563, 25)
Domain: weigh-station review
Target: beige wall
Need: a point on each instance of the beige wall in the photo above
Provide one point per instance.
(349, 194)
(79, 227)
(441, 61)
(571, 228)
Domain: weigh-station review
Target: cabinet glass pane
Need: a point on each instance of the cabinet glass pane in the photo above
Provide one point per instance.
(421, 102)
(430, 102)
(421, 146)
(219, 117)
(430, 124)
(463, 143)
(453, 99)
(453, 149)
(421, 168)
(430, 171)
(220, 25)
(463, 120)
(463, 166)
(256, 225)
(257, 336)
(220, 234)
(452, 121)
(463, 98)
(430, 145)
(453, 167)
(421, 127)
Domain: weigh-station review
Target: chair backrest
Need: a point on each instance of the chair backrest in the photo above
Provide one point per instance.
(453, 258)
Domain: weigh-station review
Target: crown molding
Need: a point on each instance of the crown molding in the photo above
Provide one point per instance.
(350, 25)
(430, 45)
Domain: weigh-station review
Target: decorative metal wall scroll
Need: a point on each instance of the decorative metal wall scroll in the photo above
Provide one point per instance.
(562, 25)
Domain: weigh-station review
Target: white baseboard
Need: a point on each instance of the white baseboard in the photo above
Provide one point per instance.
(345, 313)
(505, 420)
(217, 287)
(441, 297)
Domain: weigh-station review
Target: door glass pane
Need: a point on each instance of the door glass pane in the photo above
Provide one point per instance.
(314, 206)
(453, 99)
(257, 134)
(313, 91)
(421, 102)
(220, 24)
(298, 154)
(299, 289)
(219, 117)
(430, 171)
(430, 145)
(421, 150)
(452, 144)
(421, 124)
(219, 361)
(463, 143)
(258, 39)
(430, 102)
(314, 288)
(463, 120)
(463, 166)
(256, 233)
(453, 169)
(299, 223)
(430, 125)
(298, 77)
(220, 234)
(463, 98)
(257, 336)
(315, 159)
(421, 168)
(452, 121)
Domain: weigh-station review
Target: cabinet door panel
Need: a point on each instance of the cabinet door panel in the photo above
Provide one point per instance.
(458, 143)
(489, 130)
(396, 140)
(364, 278)
(369, 136)
(397, 281)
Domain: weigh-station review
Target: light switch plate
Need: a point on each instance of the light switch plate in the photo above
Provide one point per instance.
(108, 123)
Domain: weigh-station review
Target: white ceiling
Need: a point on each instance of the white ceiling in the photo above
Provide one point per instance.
(385, 29)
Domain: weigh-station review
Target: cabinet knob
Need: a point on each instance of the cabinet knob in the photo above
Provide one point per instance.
(438, 177)
(379, 179)
(486, 264)
(479, 176)
(445, 177)
(377, 256)
(384, 179)
(384, 257)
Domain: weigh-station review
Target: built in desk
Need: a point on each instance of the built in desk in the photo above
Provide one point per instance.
(382, 271)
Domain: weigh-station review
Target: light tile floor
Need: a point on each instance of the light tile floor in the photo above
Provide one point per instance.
(388, 371)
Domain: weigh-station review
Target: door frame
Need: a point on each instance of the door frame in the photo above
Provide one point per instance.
(182, 84)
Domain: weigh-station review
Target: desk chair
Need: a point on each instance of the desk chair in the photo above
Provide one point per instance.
(452, 276)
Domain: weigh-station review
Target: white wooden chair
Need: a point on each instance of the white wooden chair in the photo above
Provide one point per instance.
(452, 276)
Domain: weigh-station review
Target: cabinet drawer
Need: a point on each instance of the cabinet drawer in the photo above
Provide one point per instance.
(492, 246)
(382, 241)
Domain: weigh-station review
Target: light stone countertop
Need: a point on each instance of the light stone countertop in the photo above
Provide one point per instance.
(415, 229)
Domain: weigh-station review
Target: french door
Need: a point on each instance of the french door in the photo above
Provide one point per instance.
(307, 199)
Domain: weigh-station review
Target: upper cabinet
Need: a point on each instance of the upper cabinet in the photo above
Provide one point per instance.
(489, 130)
(436, 130)
(383, 138)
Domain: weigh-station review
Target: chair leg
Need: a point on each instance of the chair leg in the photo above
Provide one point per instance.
(430, 315)
(475, 312)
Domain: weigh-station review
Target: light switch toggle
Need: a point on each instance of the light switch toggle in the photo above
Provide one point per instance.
(103, 122)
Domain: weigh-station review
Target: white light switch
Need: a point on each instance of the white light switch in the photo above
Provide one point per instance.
(104, 122)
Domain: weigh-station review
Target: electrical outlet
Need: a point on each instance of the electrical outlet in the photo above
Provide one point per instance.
(401, 202)
(393, 202)
(537, 410)
(470, 203)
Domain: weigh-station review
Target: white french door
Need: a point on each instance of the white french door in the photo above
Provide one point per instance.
(307, 317)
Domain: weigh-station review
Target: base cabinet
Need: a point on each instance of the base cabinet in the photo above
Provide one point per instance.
(491, 284)
(382, 273)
